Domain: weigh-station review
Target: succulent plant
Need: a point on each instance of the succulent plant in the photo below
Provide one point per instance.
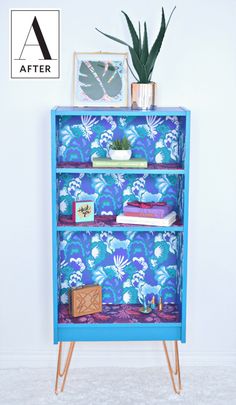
(121, 144)
(143, 59)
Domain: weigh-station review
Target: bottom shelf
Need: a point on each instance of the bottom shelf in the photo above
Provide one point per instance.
(120, 314)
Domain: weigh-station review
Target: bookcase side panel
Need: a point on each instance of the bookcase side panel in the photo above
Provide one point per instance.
(54, 223)
(185, 236)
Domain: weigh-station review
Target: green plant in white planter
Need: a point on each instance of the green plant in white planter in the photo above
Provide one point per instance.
(143, 92)
(120, 149)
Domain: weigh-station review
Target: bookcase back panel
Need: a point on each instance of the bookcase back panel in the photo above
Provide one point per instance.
(157, 139)
(130, 266)
(111, 192)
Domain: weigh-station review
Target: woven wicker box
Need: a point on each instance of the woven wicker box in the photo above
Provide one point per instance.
(85, 300)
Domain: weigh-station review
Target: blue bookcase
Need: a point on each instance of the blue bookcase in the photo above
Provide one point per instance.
(130, 262)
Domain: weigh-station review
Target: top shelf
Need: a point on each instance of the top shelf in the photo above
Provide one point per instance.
(159, 111)
(153, 168)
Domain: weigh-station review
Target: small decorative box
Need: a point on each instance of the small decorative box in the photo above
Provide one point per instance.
(83, 211)
(85, 300)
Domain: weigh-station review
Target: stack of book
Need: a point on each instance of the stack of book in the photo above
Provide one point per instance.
(135, 163)
(141, 213)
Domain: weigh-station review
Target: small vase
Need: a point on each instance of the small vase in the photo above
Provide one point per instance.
(120, 154)
(143, 95)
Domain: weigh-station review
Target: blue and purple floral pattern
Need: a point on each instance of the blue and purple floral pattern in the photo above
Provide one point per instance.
(158, 139)
(110, 192)
(131, 267)
(124, 313)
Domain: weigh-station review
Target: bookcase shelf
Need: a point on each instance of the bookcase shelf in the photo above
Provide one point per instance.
(126, 260)
(153, 168)
(108, 223)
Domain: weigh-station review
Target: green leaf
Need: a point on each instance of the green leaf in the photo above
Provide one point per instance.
(132, 71)
(113, 38)
(133, 33)
(98, 78)
(121, 144)
(139, 67)
(139, 38)
(170, 17)
(156, 46)
(144, 55)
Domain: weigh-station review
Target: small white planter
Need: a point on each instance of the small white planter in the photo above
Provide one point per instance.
(120, 154)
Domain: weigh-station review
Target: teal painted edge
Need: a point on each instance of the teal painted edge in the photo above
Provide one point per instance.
(120, 229)
(54, 223)
(186, 209)
(123, 171)
(119, 332)
(162, 111)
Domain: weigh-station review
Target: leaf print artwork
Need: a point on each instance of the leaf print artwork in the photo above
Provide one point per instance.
(101, 80)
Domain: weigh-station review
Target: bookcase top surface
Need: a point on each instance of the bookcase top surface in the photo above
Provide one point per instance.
(70, 110)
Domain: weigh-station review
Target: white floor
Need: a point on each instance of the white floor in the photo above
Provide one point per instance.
(119, 386)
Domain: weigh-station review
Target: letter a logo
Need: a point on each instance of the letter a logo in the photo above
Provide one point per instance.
(40, 38)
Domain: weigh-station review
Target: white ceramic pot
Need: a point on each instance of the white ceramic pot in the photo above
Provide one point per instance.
(120, 154)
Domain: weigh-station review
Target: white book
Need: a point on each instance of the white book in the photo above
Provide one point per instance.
(168, 220)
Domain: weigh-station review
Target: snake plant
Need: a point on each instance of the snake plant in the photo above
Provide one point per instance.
(121, 144)
(143, 59)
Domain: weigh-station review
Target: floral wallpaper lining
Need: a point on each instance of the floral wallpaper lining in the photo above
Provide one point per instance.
(131, 267)
(158, 139)
(111, 192)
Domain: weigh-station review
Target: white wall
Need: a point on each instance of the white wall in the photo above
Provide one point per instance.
(196, 69)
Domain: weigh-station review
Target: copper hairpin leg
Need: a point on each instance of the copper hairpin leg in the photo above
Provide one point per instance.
(176, 371)
(172, 372)
(66, 367)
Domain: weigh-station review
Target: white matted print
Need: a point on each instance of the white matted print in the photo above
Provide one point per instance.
(100, 79)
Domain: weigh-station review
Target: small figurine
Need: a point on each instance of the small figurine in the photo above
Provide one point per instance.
(145, 309)
(153, 306)
(160, 305)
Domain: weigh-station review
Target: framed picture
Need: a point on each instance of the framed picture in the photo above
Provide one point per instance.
(100, 79)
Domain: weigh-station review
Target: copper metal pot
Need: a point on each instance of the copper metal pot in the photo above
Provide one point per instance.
(143, 95)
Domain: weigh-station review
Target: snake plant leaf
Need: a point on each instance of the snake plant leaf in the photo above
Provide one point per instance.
(157, 45)
(144, 55)
(139, 67)
(132, 71)
(133, 34)
(113, 38)
(170, 17)
(98, 78)
(139, 38)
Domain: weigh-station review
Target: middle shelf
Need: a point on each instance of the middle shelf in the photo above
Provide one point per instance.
(111, 192)
(108, 223)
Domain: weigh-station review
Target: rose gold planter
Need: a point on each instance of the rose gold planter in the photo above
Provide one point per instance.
(143, 95)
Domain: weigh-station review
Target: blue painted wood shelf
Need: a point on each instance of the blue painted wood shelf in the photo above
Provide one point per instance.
(88, 168)
(107, 223)
(162, 137)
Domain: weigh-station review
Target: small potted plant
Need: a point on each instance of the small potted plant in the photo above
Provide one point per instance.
(143, 92)
(120, 149)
